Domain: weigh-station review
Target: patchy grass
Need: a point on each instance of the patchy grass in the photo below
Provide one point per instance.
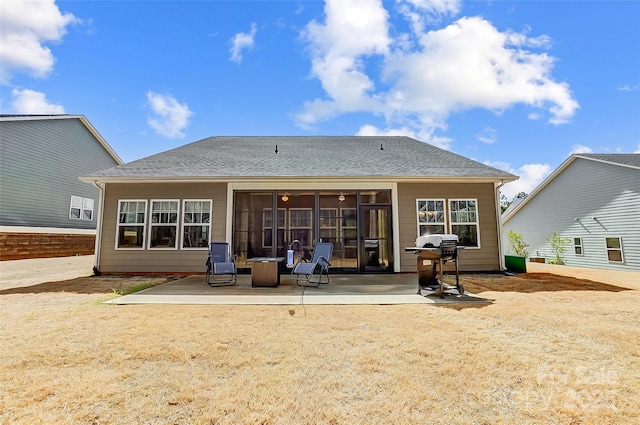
(547, 351)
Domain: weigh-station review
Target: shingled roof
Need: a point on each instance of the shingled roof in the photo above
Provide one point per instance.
(305, 156)
(628, 159)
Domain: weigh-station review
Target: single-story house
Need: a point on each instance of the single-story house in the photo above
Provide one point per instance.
(593, 202)
(45, 211)
(369, 196)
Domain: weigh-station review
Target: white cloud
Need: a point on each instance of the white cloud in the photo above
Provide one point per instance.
(629, 87)
(170, 117)
(30, 102)
(25, 27)
(638, 150)
(242, 41)
(531, 175)
(426, 135)
(421, 13)
(425, 77)
(580, 149)
(487, 135)
(353, 30)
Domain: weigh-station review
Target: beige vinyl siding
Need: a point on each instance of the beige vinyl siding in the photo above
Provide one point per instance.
(149, 261)
(485, 258)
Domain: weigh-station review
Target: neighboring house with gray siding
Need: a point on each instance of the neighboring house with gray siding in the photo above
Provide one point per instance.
(369, 196)
(594, 201)
(45, 210)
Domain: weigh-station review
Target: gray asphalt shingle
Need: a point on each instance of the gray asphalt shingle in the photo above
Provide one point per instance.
(631, 159)
(304, 156)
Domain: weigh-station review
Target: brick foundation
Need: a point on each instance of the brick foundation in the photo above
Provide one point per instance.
(18, 246)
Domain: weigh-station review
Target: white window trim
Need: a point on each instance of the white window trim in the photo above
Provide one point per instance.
(143, 225)
(87, 201)
(183, 224)
(289, 220)
(75, 205)
(477, 222)
(79, 204)
(621, 249)
(581, 245)
(151, 224)
(273, 219)
(446, 214)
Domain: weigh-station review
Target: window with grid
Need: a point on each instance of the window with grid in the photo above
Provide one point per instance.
(300, 224)
(267, 227)
(196, 224)
(431, 216)
(329, 225)
(463, 217)
(163, 226)
(614, 250)
(577, 246)
(131, 224)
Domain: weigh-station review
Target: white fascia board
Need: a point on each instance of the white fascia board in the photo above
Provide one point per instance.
(100, 139)
(335, 180)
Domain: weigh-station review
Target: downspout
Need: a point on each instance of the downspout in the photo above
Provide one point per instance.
(499, 224)
(96, 258)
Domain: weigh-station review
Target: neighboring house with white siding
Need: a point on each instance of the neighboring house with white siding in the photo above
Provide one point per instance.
(369, 196)
(45, 210)
(594, 201)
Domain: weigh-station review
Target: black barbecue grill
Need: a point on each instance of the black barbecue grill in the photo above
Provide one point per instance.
(433, 252)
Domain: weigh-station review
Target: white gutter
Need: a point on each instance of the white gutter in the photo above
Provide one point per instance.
(96, 258)
(499, 224)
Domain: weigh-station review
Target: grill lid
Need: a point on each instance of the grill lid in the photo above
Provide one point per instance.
(433, 241)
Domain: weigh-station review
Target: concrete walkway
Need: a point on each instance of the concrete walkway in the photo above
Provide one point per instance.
(343, 289)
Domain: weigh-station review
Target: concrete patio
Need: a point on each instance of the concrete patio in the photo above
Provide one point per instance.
(343, 289)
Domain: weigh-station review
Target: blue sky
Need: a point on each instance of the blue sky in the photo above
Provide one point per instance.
(519, 85)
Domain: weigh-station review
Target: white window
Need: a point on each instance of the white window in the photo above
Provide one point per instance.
(131, 224)
(329, 225)
(431, 216)
(196, 224)
(464, 220)
(614, 250)
(81, 208)
(300, 224)
(267, 227)
(577, 246)
(87, 209)
(163, 226)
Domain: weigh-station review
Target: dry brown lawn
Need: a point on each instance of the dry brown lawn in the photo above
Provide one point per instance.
(549, 350)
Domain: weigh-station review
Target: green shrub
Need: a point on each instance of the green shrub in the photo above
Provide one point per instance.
(557, 243)
(518, 246)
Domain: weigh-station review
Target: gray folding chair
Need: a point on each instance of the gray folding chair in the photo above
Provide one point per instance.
(221, 265)
(310, 272)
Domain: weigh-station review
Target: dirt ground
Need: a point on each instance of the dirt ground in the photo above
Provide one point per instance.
(551, 349)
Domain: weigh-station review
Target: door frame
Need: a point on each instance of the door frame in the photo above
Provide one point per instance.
(362, 248)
